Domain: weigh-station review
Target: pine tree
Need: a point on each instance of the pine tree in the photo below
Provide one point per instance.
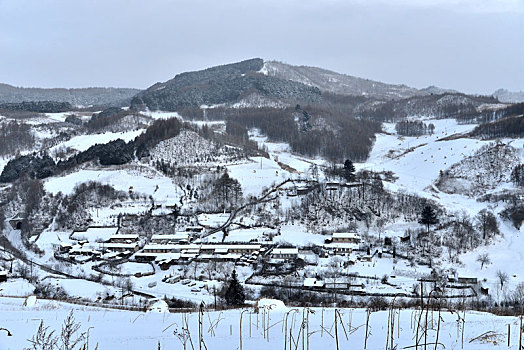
(349, 171)
(235, 295)
(428, 217)
(227, 191)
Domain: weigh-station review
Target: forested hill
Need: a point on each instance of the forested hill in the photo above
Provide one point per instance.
(229, 83)
(94, 96)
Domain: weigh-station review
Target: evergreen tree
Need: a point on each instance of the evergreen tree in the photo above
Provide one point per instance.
(227, 191)
(235, 295)
(349, 171)
(428, 217)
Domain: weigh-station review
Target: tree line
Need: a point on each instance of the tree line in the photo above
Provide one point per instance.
(413, 128)
(15, 137)
(506, 127)
(318, 132)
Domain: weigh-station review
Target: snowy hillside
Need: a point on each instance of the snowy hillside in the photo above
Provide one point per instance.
(190, 149)
(485, 170)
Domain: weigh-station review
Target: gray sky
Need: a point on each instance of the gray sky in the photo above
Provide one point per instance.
(474, 46)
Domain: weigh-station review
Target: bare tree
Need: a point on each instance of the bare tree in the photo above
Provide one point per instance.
(503, 278)
(483, 259)
(518, 295)
(486, 223)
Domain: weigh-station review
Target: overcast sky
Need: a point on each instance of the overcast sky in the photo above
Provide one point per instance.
(474, 46)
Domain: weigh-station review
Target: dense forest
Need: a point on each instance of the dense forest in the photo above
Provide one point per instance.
(37, 106)
(15, 137)
(312, 130)
(506, 127)
(76, 97)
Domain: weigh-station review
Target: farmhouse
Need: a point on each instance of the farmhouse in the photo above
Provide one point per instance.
(120, 247)
(129, 238)
(284, 253)
(346, 237)
(84, 250)
(176, 238)
(340, 248)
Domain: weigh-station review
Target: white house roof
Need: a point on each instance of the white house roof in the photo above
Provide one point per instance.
(167, 257)
(119, 245)
(313, 282)
(346, 235)
(126, 236)
(171, 246)
(279, 251)
(168, 237)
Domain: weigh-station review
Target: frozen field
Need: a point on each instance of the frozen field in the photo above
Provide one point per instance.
(113, 329)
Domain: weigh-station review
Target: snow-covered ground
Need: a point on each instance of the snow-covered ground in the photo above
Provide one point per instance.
(83, 142)
(140, 180)
(417, 161)
(271, 327)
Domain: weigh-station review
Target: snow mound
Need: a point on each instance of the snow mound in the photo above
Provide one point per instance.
(159, 306)
(273, 304)
(30, 301)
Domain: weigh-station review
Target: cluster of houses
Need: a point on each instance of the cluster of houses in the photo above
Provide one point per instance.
(185, 246)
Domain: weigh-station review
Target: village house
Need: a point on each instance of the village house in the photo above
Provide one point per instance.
(220, 252)
(121, 238)
(83, 250)
(176, 238)
(128, 248)
(346, 237)
(284, 253)
(343, 248)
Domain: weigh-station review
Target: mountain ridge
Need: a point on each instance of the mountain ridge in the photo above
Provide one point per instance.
(75, 96)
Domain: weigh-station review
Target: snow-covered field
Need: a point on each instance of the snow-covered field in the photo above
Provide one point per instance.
(273, 326)
(140, 180)
(83, 142)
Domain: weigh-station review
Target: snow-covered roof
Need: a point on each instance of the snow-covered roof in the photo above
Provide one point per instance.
(313, 282)
(171, 246)
(112, 229)
(3, 273)
(346, 235)
(167, 237)
(83, 251)
(231, 246)
(167, 257)
(124, 236)
(279, 251)
(118, 245)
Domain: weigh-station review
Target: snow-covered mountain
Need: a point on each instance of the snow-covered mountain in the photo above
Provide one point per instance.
(343, 84)
(312, 203)
(509, 96)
